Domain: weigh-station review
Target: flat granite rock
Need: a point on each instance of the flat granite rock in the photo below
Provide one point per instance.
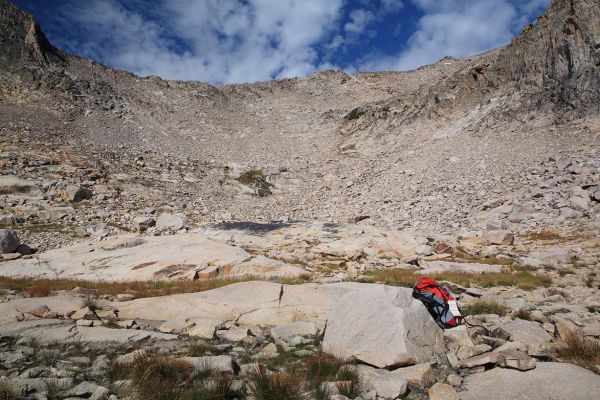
(549, 380)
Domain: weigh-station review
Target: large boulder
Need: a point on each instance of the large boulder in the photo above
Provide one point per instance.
(382, 326)
(547, 381)
(9, 241)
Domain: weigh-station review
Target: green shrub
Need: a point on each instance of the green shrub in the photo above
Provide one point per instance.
(355, 114)
(256, 180)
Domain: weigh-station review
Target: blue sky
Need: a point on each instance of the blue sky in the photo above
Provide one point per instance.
(230, 41)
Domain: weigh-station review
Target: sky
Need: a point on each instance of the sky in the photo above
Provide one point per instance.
(234, 41)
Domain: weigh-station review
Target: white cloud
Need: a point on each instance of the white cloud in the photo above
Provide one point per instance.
(457, 28)
(226, 41)
(359, 19)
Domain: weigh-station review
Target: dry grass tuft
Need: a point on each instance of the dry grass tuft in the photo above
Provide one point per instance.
(200, 349)
(579, 350)
(217, 386)
(484, 307)
(522, 314)
(348, 383)
(521, 279)
(322, 367)
(6, 391)
(43, 287)
(158, 377)
(542, 235)
(265, 385)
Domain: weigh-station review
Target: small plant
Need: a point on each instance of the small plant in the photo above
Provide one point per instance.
(348, 383)
(265, 385)
(218, 386)
(256, 180)
(522, 314)
(322, 367)
(578, 349)
(355, 114)
(53, 389)
(484, 307)
(6, 391)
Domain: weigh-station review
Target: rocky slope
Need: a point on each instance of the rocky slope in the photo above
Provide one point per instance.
(401, 157)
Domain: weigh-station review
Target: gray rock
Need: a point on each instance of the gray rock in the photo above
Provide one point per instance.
(125, 297)
(420, 375)
(170, 222)
(500, 237)
(529, 333)
(383, 382)
(547, 381)
(142, 223)
(9, 241)
(442, 391)
(75, 194)
(84, 389)
(295, 333)
(515, 359)
(382, 326)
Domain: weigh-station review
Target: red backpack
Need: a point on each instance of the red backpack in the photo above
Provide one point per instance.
(439, 302)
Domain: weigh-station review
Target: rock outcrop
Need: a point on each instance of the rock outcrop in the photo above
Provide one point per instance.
(382, 326)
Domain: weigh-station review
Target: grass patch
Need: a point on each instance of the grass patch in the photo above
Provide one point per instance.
(484, 307)
(297, 280)
(579, 350)
(256, 180)
(542, 235)
(6, 391)
(218, 386)
(521, 279)
(199, 349)
(139, 289)
(158, 377)
(265, 385)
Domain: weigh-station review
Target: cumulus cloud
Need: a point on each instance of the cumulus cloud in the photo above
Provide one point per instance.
(207, 40)
(225, 41)
(458, 28)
